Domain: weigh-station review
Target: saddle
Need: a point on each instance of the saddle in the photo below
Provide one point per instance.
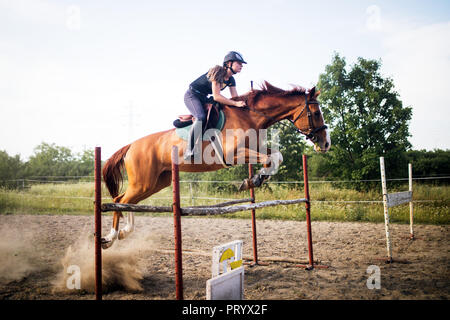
(215, 120)
(212, 117)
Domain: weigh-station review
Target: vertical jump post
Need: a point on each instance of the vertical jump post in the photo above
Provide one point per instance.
(98, 224)
(411, 208)
(252, 195)
(308, 212)
(311, 264)
(177, 225)
(392, 200)
(386, 210)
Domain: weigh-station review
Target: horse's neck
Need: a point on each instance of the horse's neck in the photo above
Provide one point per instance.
(256, 117)
(273, 114)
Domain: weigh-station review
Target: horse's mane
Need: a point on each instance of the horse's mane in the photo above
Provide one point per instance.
(269, 90)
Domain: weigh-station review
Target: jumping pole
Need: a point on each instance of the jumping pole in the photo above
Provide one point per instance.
(308, 219)
(98, 224)
(308, 212)
(177, 225)
(252, 195)
(411, 208)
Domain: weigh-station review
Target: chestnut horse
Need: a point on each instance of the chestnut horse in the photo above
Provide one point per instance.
(148, 160)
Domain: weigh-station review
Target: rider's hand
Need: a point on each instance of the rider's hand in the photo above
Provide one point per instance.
(240, 104)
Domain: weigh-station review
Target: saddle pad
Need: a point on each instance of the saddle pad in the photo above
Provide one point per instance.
(183, 133)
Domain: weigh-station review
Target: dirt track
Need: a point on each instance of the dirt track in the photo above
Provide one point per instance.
(35, 254)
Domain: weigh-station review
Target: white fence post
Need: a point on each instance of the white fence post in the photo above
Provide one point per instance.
(411, 209)
(386, 209)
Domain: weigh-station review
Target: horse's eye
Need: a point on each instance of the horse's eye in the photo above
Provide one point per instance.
(317, 113)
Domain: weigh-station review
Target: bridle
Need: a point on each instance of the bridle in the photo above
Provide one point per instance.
(311, 134)
(311, 131)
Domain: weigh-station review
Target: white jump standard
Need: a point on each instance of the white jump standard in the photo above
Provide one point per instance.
(391, 200)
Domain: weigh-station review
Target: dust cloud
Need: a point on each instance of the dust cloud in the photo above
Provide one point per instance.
(17, 255)
(122, 265)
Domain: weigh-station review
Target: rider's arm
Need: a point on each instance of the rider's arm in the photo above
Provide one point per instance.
(221, 99)
(233, 92)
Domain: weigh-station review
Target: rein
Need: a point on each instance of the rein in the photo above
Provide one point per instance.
(311, 135)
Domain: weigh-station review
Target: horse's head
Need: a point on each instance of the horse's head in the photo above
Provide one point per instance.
(308, 119)
(297, 105)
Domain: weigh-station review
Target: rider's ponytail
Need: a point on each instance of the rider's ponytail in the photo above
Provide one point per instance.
(217, 74)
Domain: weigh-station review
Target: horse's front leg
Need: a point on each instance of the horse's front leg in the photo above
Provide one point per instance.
(271, 163)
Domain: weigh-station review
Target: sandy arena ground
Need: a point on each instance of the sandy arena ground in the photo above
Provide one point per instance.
(36, 251)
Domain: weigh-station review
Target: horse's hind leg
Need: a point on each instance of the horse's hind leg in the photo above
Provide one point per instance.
(162, 182)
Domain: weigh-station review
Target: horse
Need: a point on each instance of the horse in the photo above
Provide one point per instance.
(147, 160)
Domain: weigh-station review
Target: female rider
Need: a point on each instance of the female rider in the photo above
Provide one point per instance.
(212, 82)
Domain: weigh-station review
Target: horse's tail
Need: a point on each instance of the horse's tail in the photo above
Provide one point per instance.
(112, 171)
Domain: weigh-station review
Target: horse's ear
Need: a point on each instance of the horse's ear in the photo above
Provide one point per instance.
(313, 93)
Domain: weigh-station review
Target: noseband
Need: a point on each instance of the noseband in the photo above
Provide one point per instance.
(311, 134)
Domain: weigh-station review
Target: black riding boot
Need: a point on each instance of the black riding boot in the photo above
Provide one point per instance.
(195, 137)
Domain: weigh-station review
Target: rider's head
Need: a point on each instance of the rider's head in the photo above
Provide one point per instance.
(233, 61)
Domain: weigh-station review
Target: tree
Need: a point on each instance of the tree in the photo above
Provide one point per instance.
(53, 160)
(366, 118)
(83, 164)
(49, 160)
(430, 163)
(10, 168)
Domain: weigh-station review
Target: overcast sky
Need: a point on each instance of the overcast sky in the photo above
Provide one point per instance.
(87, 73)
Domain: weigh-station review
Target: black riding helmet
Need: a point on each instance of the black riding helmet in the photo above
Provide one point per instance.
(233, 56)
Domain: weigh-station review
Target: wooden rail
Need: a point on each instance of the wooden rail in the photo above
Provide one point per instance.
(220, 208)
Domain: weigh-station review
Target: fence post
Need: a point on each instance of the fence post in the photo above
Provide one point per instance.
(98, 224)
(308, 212)
(252, 195)
(411, 209)
(386, 209)
(177, 225)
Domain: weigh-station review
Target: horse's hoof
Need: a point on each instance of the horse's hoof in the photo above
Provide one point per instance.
(245, 185)
(258, 179)
(106, 243)
(122, 234)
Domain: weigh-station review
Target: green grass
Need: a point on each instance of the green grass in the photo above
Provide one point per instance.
(78, 198)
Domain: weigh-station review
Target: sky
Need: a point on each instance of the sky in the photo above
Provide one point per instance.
(82, 74)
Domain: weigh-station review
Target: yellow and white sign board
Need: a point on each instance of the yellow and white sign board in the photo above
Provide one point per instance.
(226, 257)
(227, 286)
